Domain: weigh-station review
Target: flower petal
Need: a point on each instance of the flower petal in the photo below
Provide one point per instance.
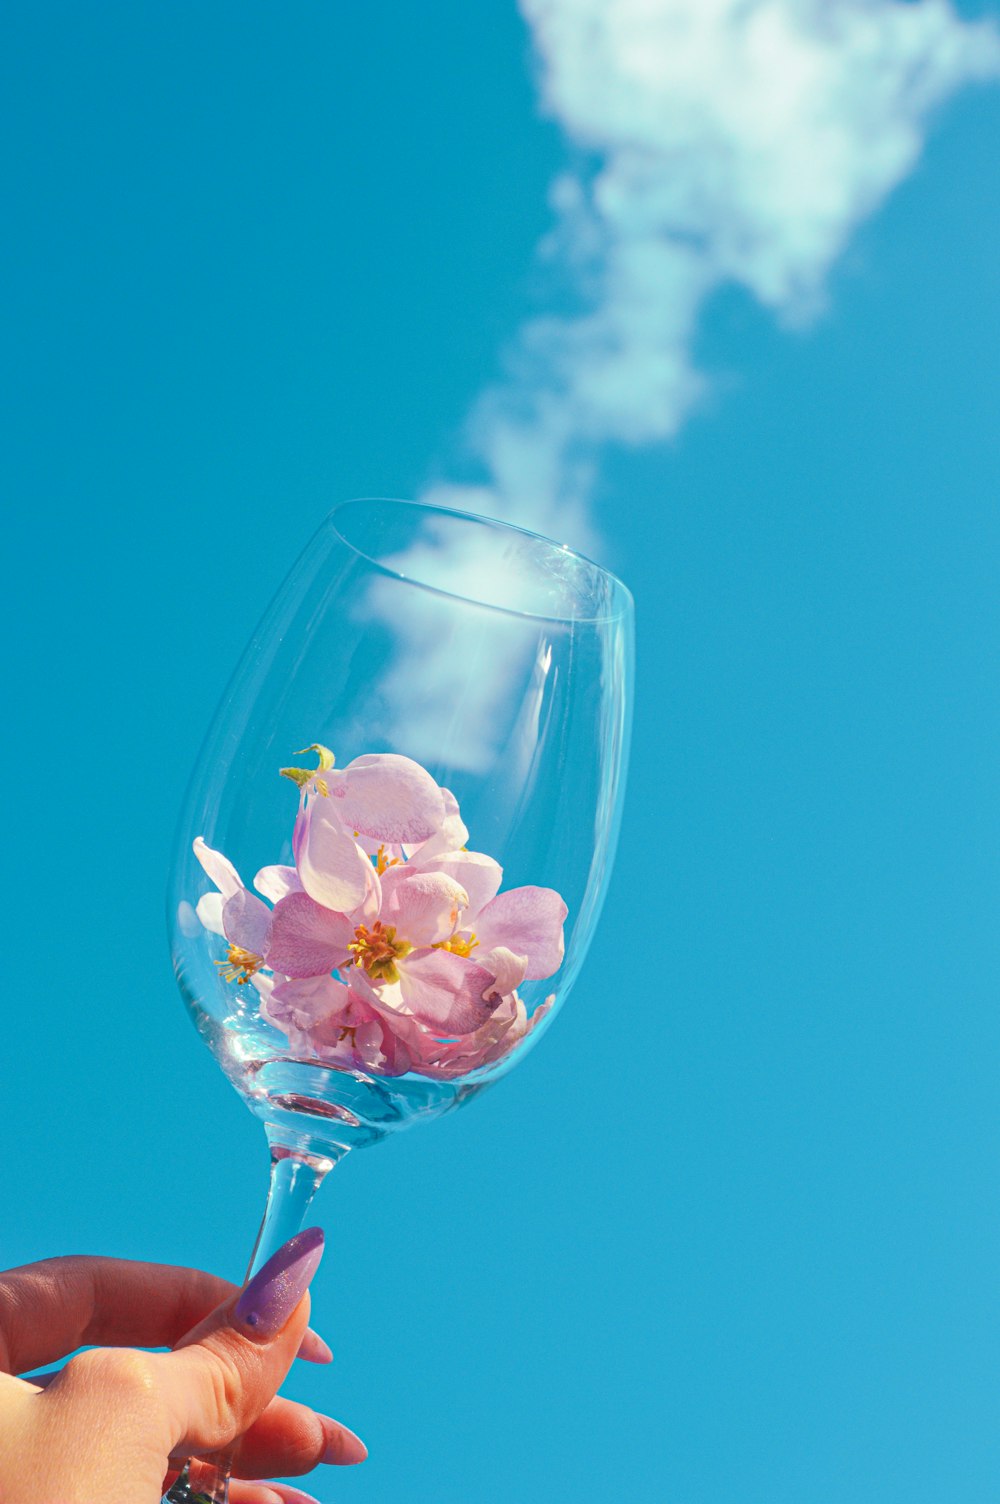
(323, 1018)
(299, 831)
(247, 922)
(477, 873)
(451, 835)
(209, 911)
(307, 940)
(265, 983)
(307, 1012)
(392, 1056)
(307, 1002)
(506, 1029)
(445, 992)
(218, 867)
(448, 1059)
(277, 882)
(332, 867)
(507, 969)
(388, 797)
(422, 906)
(528, 921)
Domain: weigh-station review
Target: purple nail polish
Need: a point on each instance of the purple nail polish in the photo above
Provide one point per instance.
(276, 1289)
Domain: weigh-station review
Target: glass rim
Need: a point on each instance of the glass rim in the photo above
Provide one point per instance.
(621, 606)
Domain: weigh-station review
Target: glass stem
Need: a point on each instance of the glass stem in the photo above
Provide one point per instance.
(296, 1176)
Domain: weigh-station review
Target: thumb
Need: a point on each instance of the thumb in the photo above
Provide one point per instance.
(226, 1370)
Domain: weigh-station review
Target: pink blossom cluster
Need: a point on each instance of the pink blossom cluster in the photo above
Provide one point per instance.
(388, 946)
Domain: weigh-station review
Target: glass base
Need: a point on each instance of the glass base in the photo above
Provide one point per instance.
(340, 1108)
(182, 1492)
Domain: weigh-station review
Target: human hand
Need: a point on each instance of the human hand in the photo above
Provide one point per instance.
(115, 1423)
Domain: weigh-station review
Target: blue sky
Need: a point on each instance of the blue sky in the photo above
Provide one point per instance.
(259, 262)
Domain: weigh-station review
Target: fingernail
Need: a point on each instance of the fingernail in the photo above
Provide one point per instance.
(274, 1292)
(313, 1349)
(343, 1448)
(293, 1496)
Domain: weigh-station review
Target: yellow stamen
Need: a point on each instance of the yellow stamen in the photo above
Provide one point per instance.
(377, 950)
(382, 861)
(459, 945)
(240, 965)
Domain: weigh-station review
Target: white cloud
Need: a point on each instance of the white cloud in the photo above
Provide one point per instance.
(714, 143)
(717, 142)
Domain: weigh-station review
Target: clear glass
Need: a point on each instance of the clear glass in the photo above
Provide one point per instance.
(500, 661)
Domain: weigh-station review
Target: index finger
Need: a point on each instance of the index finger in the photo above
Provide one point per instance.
(51, 1308)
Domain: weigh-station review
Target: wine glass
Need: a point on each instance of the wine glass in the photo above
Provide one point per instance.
(436, 662)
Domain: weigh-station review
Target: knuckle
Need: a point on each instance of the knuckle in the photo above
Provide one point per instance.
(116, 1371)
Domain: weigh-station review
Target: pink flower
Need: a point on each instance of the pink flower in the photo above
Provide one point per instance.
(322, 1017)
(375, 806)
(517, 934)
(381, 795)
(234, 913)
(430, 953)
(395, 945)
(446, 1059)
